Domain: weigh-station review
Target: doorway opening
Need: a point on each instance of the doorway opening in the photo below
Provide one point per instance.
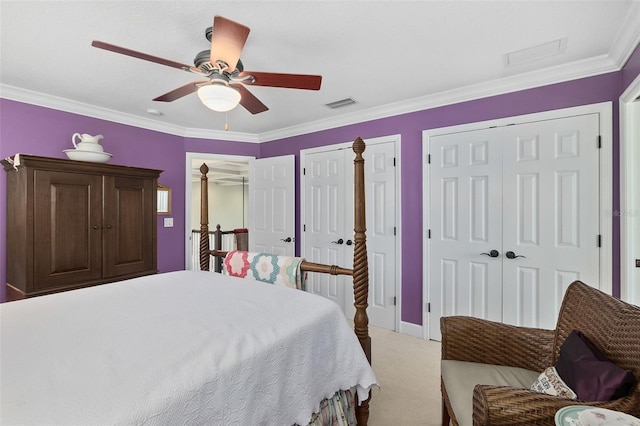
(228, 198)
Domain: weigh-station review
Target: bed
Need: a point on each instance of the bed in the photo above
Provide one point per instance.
(186, 347)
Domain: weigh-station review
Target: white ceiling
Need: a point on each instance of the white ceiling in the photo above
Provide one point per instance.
(390, 56)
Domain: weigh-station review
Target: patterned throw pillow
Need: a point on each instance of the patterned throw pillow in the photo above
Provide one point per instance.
(549, 382)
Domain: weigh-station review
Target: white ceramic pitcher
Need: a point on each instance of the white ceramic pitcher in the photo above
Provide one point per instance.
(87, 142)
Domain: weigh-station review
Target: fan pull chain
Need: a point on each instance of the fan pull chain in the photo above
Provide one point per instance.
(226, 122)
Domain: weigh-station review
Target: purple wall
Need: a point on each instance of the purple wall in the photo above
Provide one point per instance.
(410, 126)
(30, 129)
(49, 132)
(631, 69)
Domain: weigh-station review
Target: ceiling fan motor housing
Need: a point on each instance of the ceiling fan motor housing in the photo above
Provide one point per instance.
(202, 61)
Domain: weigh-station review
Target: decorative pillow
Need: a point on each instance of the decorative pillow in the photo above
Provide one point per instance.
(589, 373)
(551, 383)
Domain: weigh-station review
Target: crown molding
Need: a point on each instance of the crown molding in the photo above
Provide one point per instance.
(628, 38)
(67, 105)
(626, 42)
(552, 75)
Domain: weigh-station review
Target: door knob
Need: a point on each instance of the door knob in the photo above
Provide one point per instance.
(512, 255)
(349, 242)
(492, 253)
(340, 241)
(286, 240)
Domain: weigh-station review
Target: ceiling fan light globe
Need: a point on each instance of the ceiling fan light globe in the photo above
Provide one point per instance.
(219, 97)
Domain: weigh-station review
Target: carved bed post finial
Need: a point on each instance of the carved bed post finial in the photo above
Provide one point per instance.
(360, 267)
(204, 218)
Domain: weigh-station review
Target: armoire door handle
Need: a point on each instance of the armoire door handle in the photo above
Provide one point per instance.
(492, 253)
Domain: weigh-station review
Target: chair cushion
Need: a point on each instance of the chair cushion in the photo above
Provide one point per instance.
(461, 377)
(589, 373)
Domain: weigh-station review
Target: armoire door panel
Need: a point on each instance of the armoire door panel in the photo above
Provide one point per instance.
(128, 232)
(67, 243)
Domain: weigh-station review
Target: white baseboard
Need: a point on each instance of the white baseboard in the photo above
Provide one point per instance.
(410, 329)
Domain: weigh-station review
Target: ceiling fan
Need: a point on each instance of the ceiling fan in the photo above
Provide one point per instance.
(225, 82)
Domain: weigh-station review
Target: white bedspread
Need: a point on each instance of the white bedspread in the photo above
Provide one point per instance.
(177, 348)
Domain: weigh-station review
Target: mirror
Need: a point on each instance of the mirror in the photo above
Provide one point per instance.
(164, 199)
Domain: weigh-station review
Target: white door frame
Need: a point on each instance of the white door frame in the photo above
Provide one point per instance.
(606, 185)
(629, 198)
(396, 139)
(189, 157)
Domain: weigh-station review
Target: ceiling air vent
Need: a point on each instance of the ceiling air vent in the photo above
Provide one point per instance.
(341, 103)
(535, 53)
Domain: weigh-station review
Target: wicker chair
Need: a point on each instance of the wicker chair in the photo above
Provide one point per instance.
(612, 325)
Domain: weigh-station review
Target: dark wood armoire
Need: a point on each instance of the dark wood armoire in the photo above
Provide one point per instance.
(73, 224)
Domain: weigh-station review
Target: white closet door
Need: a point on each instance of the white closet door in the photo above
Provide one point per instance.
(329, 223)
(527, 191)
(380, 188)
(466, 225)
(550, 215)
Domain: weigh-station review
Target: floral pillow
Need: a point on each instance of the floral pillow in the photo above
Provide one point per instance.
(549, 382)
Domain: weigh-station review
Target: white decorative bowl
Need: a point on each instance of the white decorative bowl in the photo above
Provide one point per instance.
(84, 155)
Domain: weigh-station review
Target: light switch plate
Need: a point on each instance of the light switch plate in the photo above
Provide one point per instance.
(168, 222)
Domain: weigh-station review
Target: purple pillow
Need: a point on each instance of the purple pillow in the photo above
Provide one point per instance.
(589, 373)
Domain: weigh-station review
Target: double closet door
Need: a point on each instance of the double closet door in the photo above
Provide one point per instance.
(328, 222)
(513, 218)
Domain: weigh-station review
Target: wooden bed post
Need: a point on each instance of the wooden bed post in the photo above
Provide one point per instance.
(360, 271)
(361, 268)
(217, 243)
(204, 218)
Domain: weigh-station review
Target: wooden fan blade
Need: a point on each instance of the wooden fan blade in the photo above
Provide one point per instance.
(249, 101)
(291, 81)
(227, 41)
(140, 55)
(179, 92)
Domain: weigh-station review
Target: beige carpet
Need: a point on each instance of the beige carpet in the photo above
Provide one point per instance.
(408, 370)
